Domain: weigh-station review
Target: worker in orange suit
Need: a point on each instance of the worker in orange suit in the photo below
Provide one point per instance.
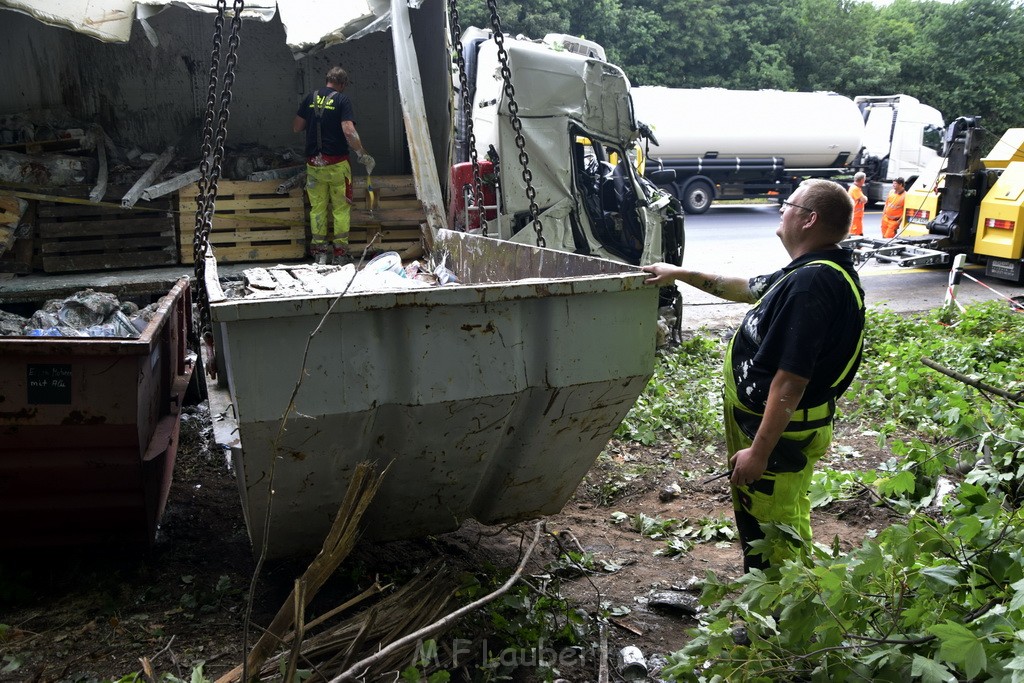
(860, 200)
(892, 215)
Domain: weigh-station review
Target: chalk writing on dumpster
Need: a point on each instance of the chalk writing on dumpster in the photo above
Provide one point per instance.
(49, 383)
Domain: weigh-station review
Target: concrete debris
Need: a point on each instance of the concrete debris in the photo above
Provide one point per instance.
(11, 325)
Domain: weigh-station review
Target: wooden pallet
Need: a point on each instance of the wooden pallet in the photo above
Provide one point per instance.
(251, 222)
(84, 236)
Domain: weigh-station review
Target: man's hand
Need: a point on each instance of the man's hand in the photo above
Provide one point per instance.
(367, 161)
(747, 467)
(661, 274)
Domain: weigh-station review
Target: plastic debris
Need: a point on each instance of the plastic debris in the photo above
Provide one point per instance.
(383, 273)
(86, 313)
(632, 665)
(86, 308)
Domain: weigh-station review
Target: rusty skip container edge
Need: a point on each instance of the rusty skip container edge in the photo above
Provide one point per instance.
(89, 431)
(488, 400)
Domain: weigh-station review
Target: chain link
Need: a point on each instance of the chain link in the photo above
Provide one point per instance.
(517, 124)
(467, 112)
(212, 153)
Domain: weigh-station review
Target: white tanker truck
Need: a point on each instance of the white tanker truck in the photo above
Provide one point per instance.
(714, 143)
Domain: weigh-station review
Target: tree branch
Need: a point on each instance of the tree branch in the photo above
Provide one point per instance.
(972, 382)
(354, 671)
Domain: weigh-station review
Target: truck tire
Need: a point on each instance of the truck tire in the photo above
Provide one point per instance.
(697, 197)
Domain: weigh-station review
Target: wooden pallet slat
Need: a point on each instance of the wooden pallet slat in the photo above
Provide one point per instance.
(104, 245)
(86, 236)
(106, 261)
(100, 229)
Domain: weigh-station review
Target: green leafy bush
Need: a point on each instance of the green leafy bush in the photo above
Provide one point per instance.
(938, 598)
(683, 400)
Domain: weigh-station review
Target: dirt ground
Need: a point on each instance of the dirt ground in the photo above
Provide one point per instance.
(90, 615)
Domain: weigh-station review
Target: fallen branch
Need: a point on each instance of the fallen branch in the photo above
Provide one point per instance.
(972, 382)
(354, 671)
(602, 664)
(338, 544)
(300, 629)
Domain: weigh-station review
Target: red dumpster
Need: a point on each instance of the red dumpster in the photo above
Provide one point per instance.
(89, 431)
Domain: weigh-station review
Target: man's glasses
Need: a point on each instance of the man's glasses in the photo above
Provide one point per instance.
(798, 206)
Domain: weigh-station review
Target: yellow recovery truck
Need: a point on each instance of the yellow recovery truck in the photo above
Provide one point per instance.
(966, 204)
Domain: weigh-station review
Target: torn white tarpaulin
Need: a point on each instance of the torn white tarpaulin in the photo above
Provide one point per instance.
(307, 22)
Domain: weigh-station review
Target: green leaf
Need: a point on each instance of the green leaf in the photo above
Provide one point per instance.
(1017, 602)
(947, 574)
(930, 671)
(899, 485)
(12, 663)
(960, 646)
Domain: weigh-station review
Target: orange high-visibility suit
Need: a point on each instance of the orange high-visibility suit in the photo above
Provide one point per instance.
(892, 215)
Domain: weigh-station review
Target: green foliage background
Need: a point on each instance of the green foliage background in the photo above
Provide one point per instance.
(936, 596)
(964, 57)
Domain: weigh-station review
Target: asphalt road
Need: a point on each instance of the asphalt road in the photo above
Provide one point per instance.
(740, 240)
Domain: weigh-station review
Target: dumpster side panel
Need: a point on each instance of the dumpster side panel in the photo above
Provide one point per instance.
(490, 409)
(88, 431)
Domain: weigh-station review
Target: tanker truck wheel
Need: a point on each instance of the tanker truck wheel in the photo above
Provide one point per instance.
(697, 197)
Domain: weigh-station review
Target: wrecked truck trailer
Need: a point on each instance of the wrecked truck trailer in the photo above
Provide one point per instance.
(488, 400)
(89, 431)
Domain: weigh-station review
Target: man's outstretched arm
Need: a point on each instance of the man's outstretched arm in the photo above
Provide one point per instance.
(726, 287)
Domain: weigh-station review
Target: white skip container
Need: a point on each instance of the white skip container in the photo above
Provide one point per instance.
(489, 399)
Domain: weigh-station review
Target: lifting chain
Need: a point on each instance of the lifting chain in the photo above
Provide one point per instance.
(517, 125)
(212, 154)
(467, 112)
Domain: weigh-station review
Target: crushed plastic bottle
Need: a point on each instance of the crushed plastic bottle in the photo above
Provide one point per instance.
(45, 332)
(103, 330)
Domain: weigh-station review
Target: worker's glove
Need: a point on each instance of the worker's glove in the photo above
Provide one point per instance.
(367, 161)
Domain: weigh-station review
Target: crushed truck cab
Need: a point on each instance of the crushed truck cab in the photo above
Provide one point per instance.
(570, 116)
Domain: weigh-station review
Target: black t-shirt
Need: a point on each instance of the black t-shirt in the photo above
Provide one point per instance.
(336, 107)
(809, 325)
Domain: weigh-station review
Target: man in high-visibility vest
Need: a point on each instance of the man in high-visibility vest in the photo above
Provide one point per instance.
(792, 357)
(860, 200)
(892, 214)
(327, 118)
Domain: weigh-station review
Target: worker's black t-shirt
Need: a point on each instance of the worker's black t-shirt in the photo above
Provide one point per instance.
(337, 107)
(809, 325)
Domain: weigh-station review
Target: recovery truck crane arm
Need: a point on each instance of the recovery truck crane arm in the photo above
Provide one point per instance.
(959, 209)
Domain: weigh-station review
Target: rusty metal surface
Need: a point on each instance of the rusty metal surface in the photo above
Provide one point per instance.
(89, 432)
(487, 401)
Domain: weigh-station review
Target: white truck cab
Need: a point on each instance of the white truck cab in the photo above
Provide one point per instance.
(902, 137)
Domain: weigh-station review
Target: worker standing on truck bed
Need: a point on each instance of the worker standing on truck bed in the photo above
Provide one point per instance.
(793, 355)
(892, 215)
(326, 116)
(859, 201)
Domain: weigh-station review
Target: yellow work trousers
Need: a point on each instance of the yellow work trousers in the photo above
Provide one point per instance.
(329, 184)
(780, 496)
